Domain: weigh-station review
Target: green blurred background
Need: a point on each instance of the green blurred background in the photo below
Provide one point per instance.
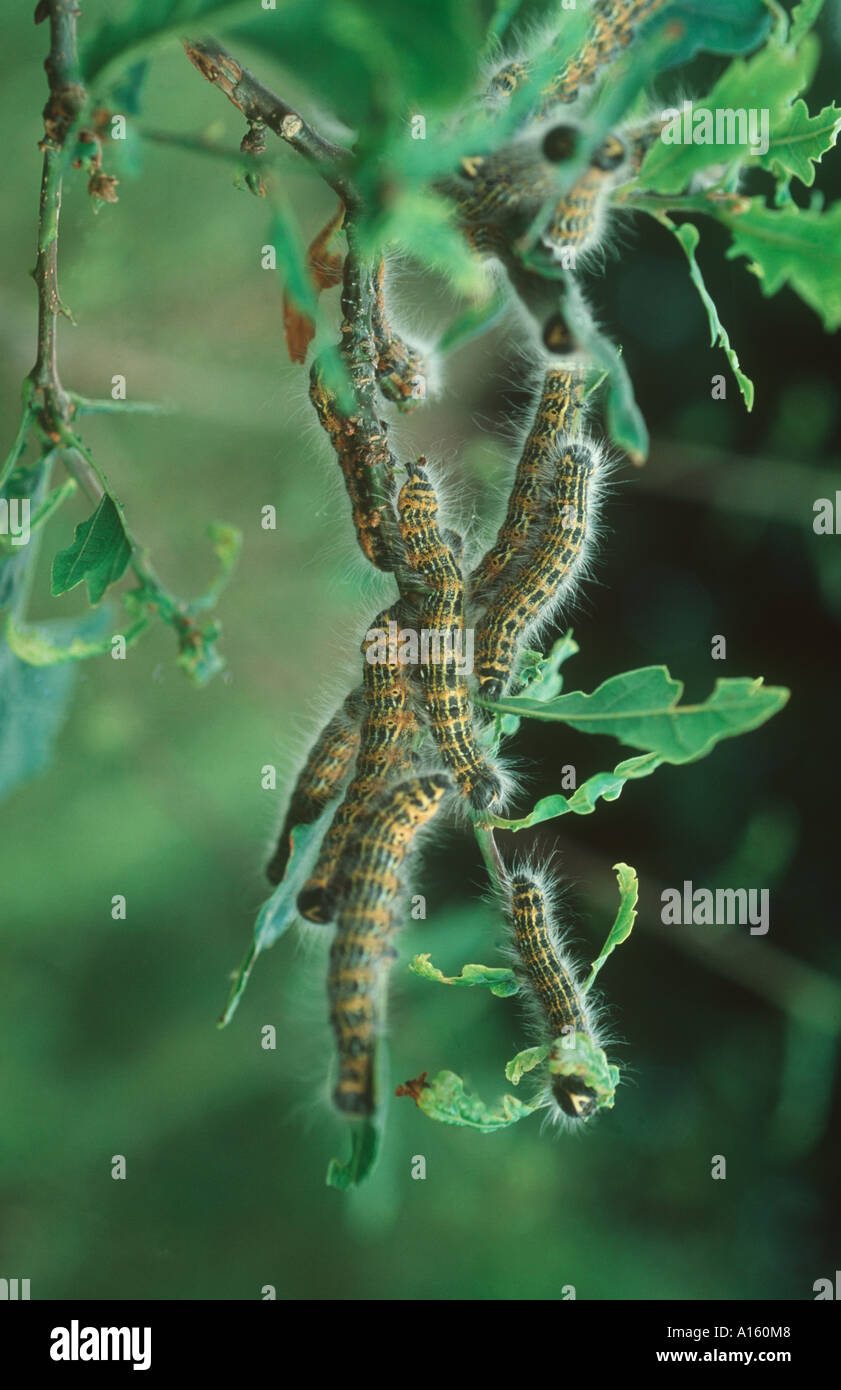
(110, 1045)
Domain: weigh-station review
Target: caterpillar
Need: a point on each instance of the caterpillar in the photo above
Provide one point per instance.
(577, 217)
(321, 776)
(560, 397)
(362, 950)
(497, 198)
(529, 596)
(547, 980)
(365, 460)
(614, 24)
(431, 556)
(401, 369)
(385, 749)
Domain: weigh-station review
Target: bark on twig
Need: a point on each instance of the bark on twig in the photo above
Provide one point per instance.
(258, 104)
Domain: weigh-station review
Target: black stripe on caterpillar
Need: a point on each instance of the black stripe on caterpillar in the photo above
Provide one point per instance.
(373, 868)
(321, 777)
(560, 398)
(445, 692)
(386, 741)
(548, 571)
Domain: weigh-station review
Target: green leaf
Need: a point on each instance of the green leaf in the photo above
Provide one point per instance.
(800, 141)
(52, 644)
(771, 81)
(625, 423)
(280, 911)
(714, 26)
(602, 786)
(625, 918)
(120, 43)
(99, 554)
(421, 224)
(789, 246)
(445, 1099)
(474, 321)
(641, 708)
(369, 63)
(526, 1061)
(499, 981)
(803, 17)
(227, 544)
(364, 1151)
(540, 676)
(285, 236)
(689, 236)
(34, 704)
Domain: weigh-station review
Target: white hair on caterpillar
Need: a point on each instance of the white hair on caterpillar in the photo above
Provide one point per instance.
(551, 987)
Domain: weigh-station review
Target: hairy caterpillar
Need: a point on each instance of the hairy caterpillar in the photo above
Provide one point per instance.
(576, 219)
(361, 953)
(497, 198)
(528, 597)
(614, 25)
(431, 556)
(401, 369)
(385, 750)
(547, 979)
(560, 397)
(321, 776)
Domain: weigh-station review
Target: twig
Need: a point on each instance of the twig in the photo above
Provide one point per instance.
(64, 106)
(258, 104)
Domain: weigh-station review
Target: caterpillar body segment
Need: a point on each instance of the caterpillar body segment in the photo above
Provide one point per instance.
(387, 736)
(321, 777)
(614, 25)
(531, 595)
(548, 982)
(373, 868)
(560, 398)
(445, 693)
(577, 219)
(367, 465)
(402, 372)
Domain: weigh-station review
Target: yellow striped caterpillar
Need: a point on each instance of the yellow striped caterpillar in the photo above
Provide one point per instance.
(401, 369)
(385, 747)
(560, 397)
(547, 981)
(321, 776)
(576, 221)
(430, 556)
(530, 596)
(362, 951)
(614, 25)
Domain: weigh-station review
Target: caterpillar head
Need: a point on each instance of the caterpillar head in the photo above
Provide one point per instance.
(486, 792)
(560, 143)
(317, 905)
(558, 337)
(575, 1098)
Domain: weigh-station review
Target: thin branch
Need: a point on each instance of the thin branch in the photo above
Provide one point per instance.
(64, 106)
(258, 104)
